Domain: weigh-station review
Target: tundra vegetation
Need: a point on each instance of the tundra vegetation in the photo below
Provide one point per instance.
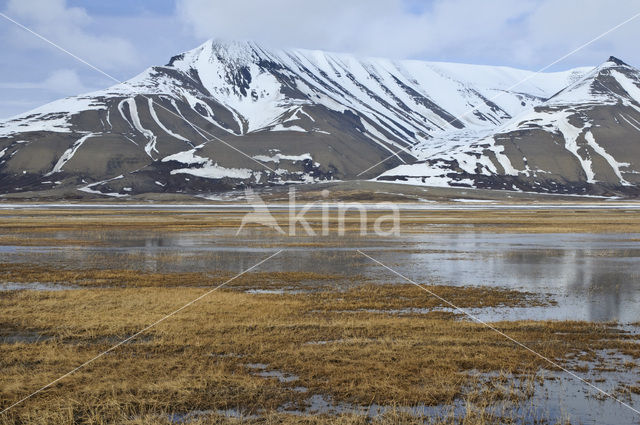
(267, 347)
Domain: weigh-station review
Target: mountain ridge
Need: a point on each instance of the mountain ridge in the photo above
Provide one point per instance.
(572, 119)
(300, 116)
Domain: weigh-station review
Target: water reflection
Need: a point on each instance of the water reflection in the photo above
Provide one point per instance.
(592, 276)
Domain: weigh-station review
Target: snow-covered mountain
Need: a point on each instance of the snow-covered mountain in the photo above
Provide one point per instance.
(583, 139)
(230, 114)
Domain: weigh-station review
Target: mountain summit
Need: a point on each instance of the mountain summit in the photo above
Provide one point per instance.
(228, 115)
(616, 61)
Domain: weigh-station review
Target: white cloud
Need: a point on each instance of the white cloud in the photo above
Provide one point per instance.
(557, 27)
(71, 28)
(355, 25)
(60, 82)
(16, 97)
(528, 33)
(65, 81)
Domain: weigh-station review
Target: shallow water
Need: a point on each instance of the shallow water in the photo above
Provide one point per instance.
(36, 286)
(591, 276)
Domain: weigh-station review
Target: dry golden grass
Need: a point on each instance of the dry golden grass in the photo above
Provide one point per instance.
(351, 298)
(113, 277)
(527, 221)
(34, 240)
(331, 340)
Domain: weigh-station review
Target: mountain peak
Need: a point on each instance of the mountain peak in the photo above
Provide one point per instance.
(221, 44)
(588, 88)
(229, 51)
(616, 61)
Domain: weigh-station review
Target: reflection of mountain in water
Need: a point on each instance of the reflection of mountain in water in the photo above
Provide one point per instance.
(593, 277)
(595, 274)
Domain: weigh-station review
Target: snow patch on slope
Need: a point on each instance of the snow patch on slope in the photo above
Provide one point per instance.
(214, 171)
(68, 154)
(571, 134)
(615, 165)
(90, 188)
(206, 168)
(279, 157)
(295, 128)
(154, 115)
(150, 147)
(54, 116)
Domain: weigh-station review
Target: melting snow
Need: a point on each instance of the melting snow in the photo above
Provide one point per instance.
(208, 169)
(90, 188)
(54, 116)
(165, 129)
(279, 157)
(571, 134)
(615, 165)
(68, 154)
(133, 110)
(280, 127)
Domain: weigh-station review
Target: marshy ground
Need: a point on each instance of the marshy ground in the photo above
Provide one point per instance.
(319, 334)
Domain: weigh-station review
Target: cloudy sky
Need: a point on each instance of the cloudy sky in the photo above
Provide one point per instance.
(123, 37)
